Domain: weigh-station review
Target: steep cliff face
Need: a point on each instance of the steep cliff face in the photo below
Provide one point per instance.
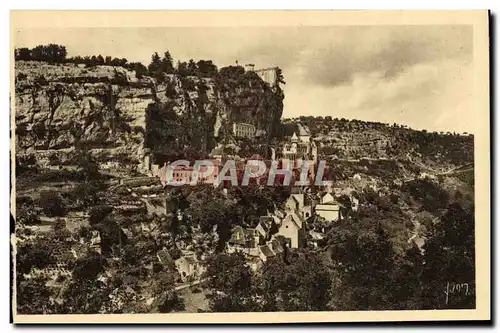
(111, 112)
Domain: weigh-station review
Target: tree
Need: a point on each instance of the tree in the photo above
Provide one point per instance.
(89, 267)
(140, 69)
(229, 280)
(22, 53)
(59, 227)
(36, 255)
(87, 61)
(89, 169)
(429, 194)
(37, 53)
(208, 209)
(33, 297)
(363, 259)
(407, 284)
(182, 68)
(52, 204)
(155, 64)
(171, 302)
(99, 213)
(52, 53)
(85, 297)
(55, 53)
(167, 65)
(206, 68)
(302, 283)
(86, 195)
(450, 260)
(192, 68)
(100, 60)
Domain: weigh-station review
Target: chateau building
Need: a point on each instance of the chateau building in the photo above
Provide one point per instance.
(268, 75)
(242, 130)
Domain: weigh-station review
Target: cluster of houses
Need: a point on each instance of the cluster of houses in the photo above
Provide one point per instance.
(274, 233)
(284, 229)
(301, 149)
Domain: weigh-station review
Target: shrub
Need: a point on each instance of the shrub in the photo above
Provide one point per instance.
(52, 204)
(41, 80)
(21, 77)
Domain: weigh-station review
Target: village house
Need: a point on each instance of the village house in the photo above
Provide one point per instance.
(329, 208)
(316, 238)
(204, 168)
(255, 263)
(268, 226)
(183, 174)
(243, 240)
(293, 228)
(217, 153)
(189, 267)
(354, 202)
(270, 250)
(165, 258)
(297, 202)
(180, 174)
(156, 206)
(95, 241)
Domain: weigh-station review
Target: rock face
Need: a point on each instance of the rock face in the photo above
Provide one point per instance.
(110, 112)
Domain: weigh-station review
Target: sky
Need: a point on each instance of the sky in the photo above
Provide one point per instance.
(419, 76)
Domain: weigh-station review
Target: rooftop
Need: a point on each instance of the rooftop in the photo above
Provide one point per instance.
(266, 251)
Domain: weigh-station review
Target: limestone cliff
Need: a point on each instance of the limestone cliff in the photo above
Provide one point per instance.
(111, 112)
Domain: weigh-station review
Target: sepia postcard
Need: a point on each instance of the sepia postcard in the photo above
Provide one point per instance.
(250, 166)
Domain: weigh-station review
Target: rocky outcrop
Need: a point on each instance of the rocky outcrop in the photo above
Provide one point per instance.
(111, 112)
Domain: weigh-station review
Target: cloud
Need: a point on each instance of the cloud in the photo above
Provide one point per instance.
(414, 75)
(390, 50)
(432, 95)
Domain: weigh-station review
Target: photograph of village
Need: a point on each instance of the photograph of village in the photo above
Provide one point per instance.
(192, 170)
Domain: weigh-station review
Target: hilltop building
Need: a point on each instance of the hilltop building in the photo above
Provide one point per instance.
(298, 152)
(242, 130)
(304, 133)
(269, 75)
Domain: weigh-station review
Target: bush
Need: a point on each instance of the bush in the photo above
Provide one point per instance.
(99, 213)
(21, 77)
(120, 78)
(52, 53)
(41, 80)
(140, 69)
(52, 204)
